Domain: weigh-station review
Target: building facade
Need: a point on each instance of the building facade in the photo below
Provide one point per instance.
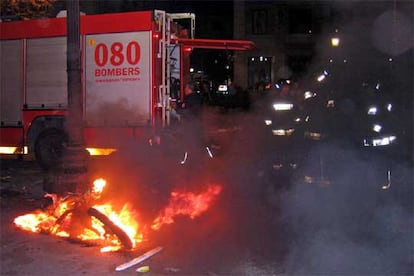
(284, 33)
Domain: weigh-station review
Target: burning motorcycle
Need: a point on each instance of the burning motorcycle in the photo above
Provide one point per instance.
(81, 217)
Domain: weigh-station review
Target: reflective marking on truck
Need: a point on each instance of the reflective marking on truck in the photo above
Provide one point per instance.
(24, 150)
(100, 151)
(14, 150)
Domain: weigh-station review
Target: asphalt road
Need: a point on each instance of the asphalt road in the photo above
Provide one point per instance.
(234, 237)
(259, 225)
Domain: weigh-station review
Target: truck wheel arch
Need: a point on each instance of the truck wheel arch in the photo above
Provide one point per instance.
(49, 148)
(47, 138)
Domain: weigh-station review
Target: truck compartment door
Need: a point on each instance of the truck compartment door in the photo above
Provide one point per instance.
(46, 76)
(11, 82)
(118, 79)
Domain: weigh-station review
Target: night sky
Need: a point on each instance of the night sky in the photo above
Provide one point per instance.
(214, 19)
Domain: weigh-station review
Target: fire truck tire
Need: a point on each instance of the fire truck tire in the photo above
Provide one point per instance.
(118, 232)
(49, 148)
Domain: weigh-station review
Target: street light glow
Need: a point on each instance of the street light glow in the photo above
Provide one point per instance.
(335, 41)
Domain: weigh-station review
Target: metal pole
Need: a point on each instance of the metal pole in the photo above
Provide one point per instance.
(74, 74)
(74, 170)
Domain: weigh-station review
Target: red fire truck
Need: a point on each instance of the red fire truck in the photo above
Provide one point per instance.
(128, 61)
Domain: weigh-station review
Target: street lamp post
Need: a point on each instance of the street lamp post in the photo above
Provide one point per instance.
(73, 174)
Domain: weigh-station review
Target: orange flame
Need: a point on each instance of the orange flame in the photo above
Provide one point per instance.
(35, 222)
(98, 185)
(58, 220)
(62, 217)
(125, 219)
(186, 204)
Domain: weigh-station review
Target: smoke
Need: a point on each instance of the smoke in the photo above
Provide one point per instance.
(353, 227)
(370, 33)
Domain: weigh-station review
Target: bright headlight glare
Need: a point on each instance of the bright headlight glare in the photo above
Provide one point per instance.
(268, 122)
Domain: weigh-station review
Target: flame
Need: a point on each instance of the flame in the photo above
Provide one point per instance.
(35, 222)
(186, 204)
(67, 216)
(125, 219)
(98, 185)
(59, 220)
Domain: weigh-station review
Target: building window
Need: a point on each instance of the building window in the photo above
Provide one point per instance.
(259, 22)
(298, 64)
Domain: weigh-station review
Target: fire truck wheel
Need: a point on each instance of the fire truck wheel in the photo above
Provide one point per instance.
(49, 149)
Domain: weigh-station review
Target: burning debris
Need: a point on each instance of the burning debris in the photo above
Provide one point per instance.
(84, 218)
